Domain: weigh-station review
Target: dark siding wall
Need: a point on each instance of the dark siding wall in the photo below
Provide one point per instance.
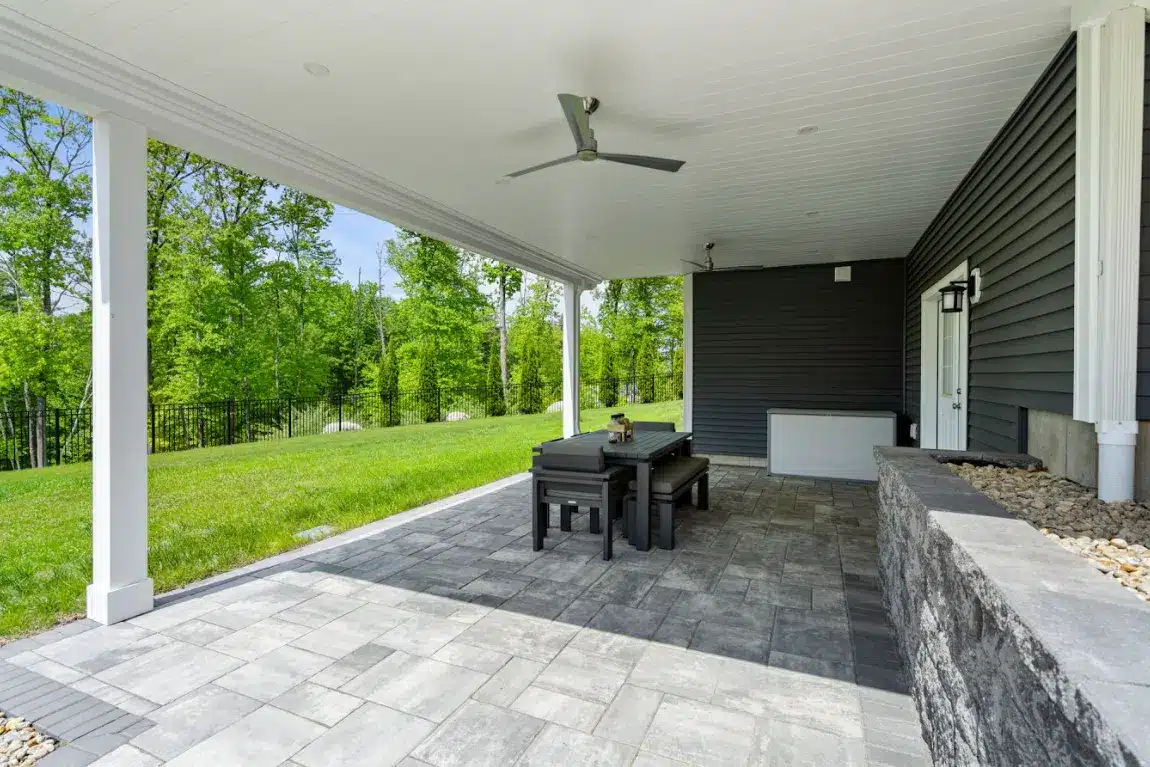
(1012, 217)
(793, 337)
(1144, 276)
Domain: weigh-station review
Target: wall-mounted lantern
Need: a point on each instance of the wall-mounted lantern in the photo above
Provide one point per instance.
(954, 295)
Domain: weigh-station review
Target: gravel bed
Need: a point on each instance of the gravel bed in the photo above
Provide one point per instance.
(1113, 537)
(20, 744)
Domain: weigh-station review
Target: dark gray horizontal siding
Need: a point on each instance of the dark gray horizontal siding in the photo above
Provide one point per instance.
(792, 337)
(1013, 218)
(1144, 283)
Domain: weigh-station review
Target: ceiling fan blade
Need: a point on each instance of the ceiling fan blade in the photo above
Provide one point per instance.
(579, 121)
(541, 166)
(654, 163)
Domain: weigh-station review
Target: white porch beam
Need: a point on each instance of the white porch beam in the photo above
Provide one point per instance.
(571, 359)
(120, 586)
(688, 352)
(1108, 200)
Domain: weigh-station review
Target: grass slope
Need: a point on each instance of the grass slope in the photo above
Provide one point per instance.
(215, 509)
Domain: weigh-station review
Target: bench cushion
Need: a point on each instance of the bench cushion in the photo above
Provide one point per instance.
(670, 475)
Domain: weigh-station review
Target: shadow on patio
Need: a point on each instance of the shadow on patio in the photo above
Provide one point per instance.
(760, 639)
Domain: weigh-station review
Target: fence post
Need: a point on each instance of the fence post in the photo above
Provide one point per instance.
(289, 417)
(339, 400)
(231, 421)
(152, 416)
(57, 436)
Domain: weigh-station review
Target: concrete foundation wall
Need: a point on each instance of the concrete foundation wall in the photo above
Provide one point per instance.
(1069, 448)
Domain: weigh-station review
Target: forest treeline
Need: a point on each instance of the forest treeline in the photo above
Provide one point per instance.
(246, 300)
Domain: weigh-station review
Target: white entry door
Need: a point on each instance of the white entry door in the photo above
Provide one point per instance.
(943, 369)
(950, 381)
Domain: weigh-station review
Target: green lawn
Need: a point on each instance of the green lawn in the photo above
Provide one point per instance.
(215, 509)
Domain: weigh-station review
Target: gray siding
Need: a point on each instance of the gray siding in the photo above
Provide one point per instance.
(1012, 217)
(792, 337)
(1144, 272)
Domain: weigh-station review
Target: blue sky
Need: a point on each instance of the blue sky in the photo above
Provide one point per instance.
(355, 238)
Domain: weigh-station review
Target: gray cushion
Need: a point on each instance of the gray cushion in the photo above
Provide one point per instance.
(672, 474)
(653, 425)
(570, 455)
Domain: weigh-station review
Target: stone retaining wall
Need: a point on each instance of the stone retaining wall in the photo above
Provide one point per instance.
(1018, 653)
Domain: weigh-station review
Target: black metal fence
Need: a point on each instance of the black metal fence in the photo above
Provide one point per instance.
(33, 438)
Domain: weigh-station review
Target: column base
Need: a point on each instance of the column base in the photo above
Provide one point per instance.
(1116, 443)
(109, 606)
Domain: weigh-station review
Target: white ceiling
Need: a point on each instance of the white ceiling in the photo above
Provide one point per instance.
(444, 97)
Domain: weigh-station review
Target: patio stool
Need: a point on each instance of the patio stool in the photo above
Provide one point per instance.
(671, 480)
(574, 475)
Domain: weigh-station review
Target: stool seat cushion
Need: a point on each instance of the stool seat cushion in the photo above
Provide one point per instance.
(672, 474)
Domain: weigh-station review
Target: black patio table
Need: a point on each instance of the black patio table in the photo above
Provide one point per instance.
(640, 452)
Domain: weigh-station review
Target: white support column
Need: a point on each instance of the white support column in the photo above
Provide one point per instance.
(120, 586)
(570, 359)
(688, 352)
(1108, 200)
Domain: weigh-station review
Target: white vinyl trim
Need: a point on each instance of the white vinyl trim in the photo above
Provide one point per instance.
(928, 363)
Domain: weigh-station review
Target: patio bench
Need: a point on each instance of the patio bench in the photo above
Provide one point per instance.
(671, 482)
(575, 475)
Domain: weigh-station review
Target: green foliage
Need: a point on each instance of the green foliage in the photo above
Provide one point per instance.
(496, 398)
(530, 381)
(442, 302)
(646, 363)
(388, 383)
(608, 379)
(45, 261)
(428, 391)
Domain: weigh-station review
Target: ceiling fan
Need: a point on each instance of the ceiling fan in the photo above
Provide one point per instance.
(579, 110)
(708, 265)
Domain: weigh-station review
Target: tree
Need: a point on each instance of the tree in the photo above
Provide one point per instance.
(441, 302)
(429, 394)
(646, 362)
(496, 389)
(389, 385)
(300, 220)
(45, 257)
(507, 281)
(608, 380)
(530, 383)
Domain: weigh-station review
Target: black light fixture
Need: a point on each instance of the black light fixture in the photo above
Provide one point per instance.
(953, 295)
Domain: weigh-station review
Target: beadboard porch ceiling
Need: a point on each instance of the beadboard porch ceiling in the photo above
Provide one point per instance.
(434, 102)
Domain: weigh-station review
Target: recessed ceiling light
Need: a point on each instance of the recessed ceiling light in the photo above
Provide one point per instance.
(807, 130)
(315, 69)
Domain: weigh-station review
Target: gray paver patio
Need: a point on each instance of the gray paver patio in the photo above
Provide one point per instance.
(441, 638)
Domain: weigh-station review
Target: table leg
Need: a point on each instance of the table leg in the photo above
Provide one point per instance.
(538, 521)
(643, 506)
